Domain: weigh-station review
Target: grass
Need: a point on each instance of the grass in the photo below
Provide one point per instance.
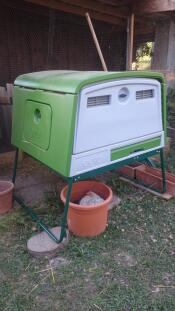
(130, 267)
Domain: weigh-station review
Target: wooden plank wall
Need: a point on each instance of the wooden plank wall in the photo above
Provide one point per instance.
(33, 38)
(56, 40)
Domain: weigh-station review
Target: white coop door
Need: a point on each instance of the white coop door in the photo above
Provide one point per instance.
(117, 111)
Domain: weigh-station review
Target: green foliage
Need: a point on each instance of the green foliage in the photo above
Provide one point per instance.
(145, 49)
(143, 56)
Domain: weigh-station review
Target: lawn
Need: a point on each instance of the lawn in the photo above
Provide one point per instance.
(131, 266)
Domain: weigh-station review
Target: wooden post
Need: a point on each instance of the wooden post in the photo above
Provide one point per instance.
(130, 39)
(96, 42)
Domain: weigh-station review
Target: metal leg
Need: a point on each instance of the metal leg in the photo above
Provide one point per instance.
(64, 219)
(36, 218)
(150, 162)
(28, 209)
(15, 166)
(163, 168)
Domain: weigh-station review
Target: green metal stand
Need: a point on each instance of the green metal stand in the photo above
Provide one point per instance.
(15, 166)
(64, 219)
(34, 216)
(77, 178)
(163, 168)
(150, 162)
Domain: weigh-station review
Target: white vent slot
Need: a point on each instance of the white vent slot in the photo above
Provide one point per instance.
(98, 101)
(143, 94)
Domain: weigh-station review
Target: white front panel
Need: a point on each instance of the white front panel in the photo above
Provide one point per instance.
(90, 160)
(117, 111)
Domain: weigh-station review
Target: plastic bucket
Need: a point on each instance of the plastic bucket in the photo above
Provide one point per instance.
(87, 221)
(6, 196)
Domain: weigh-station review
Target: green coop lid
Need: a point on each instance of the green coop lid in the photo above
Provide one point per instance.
(71, 82)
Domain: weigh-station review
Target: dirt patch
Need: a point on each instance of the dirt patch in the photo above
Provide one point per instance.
(3, 277)
(168, 279)
(58, 262)
(124, 282)
(167, 284)
(124, 259)
(33, 180)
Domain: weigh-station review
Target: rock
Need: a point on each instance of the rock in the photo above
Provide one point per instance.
(41, 245)
(91, 198)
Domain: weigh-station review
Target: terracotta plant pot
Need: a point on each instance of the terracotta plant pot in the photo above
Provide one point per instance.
(6, 196)
(153, 178)
(87, 221)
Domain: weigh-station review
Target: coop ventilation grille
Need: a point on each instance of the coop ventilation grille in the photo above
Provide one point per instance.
(144, 94)
(98, 101)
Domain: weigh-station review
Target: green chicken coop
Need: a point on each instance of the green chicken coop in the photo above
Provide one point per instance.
(83, 123)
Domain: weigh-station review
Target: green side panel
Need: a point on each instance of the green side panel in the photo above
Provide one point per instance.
(73, 81)
(143, 146)
(43, 126)
(37, 124)
(164, 106)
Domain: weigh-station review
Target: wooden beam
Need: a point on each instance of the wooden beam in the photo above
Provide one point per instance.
(130, 38)
(99, 7)
(116, 3)
(153, 6)
(61, 6)
(97, 45)
(25, 6)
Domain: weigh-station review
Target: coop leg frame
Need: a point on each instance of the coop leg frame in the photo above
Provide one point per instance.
(151, 163)
(148, 161)
(163, 168)
(142, 158)
(34, 216)
(77, 178)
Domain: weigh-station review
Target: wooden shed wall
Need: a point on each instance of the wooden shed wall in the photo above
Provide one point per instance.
(32, 42)
(33, 38)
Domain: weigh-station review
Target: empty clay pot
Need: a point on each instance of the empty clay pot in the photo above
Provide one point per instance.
(6, 196)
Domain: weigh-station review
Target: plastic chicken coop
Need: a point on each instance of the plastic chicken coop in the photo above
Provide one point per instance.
(83, 123)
